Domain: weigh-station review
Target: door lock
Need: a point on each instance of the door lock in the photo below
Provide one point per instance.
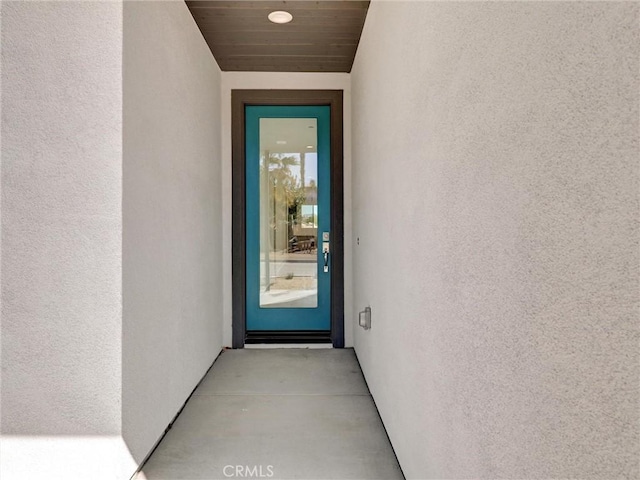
(325, 250)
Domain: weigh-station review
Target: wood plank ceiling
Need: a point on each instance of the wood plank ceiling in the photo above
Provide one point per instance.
(323, 36)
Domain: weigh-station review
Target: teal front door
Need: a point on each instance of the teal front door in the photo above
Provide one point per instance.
(288, 242)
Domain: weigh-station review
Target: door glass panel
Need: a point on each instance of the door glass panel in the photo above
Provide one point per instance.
(288, 213)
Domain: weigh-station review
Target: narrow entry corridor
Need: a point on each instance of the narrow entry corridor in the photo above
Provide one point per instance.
(280, 414)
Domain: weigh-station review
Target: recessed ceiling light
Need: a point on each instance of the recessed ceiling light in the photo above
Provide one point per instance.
(309, 146)
(281, 142)
(280, 16)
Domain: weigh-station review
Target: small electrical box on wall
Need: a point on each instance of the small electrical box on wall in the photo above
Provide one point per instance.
(364, 318)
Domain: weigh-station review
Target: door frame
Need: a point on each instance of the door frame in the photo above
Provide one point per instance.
(239, 100)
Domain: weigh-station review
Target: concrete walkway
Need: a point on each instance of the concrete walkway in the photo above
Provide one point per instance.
(279, 414)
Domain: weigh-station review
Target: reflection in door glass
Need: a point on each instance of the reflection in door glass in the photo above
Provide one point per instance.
(288, 213)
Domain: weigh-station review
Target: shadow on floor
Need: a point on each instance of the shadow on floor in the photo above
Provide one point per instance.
(281, 414)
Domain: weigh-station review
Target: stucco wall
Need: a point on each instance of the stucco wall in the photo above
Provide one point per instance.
(495, 196)
(285, 81)
(111, 243)
(172, 273)
(61, 237)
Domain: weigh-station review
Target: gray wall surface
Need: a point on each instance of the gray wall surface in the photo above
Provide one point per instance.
(61, 218)
(111, 231)
(495, 193)
(172, 271)
(61, 286)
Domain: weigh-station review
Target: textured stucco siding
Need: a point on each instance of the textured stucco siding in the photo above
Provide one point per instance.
(61, 261)
(172, 272)
(495, 196)
(61, 218)
(111, 243)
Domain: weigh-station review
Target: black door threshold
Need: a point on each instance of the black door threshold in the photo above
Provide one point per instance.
(274, 336)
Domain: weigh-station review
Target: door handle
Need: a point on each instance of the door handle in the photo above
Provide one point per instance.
(325, 250)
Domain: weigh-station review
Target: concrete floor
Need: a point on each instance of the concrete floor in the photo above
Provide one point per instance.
(279, 414)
